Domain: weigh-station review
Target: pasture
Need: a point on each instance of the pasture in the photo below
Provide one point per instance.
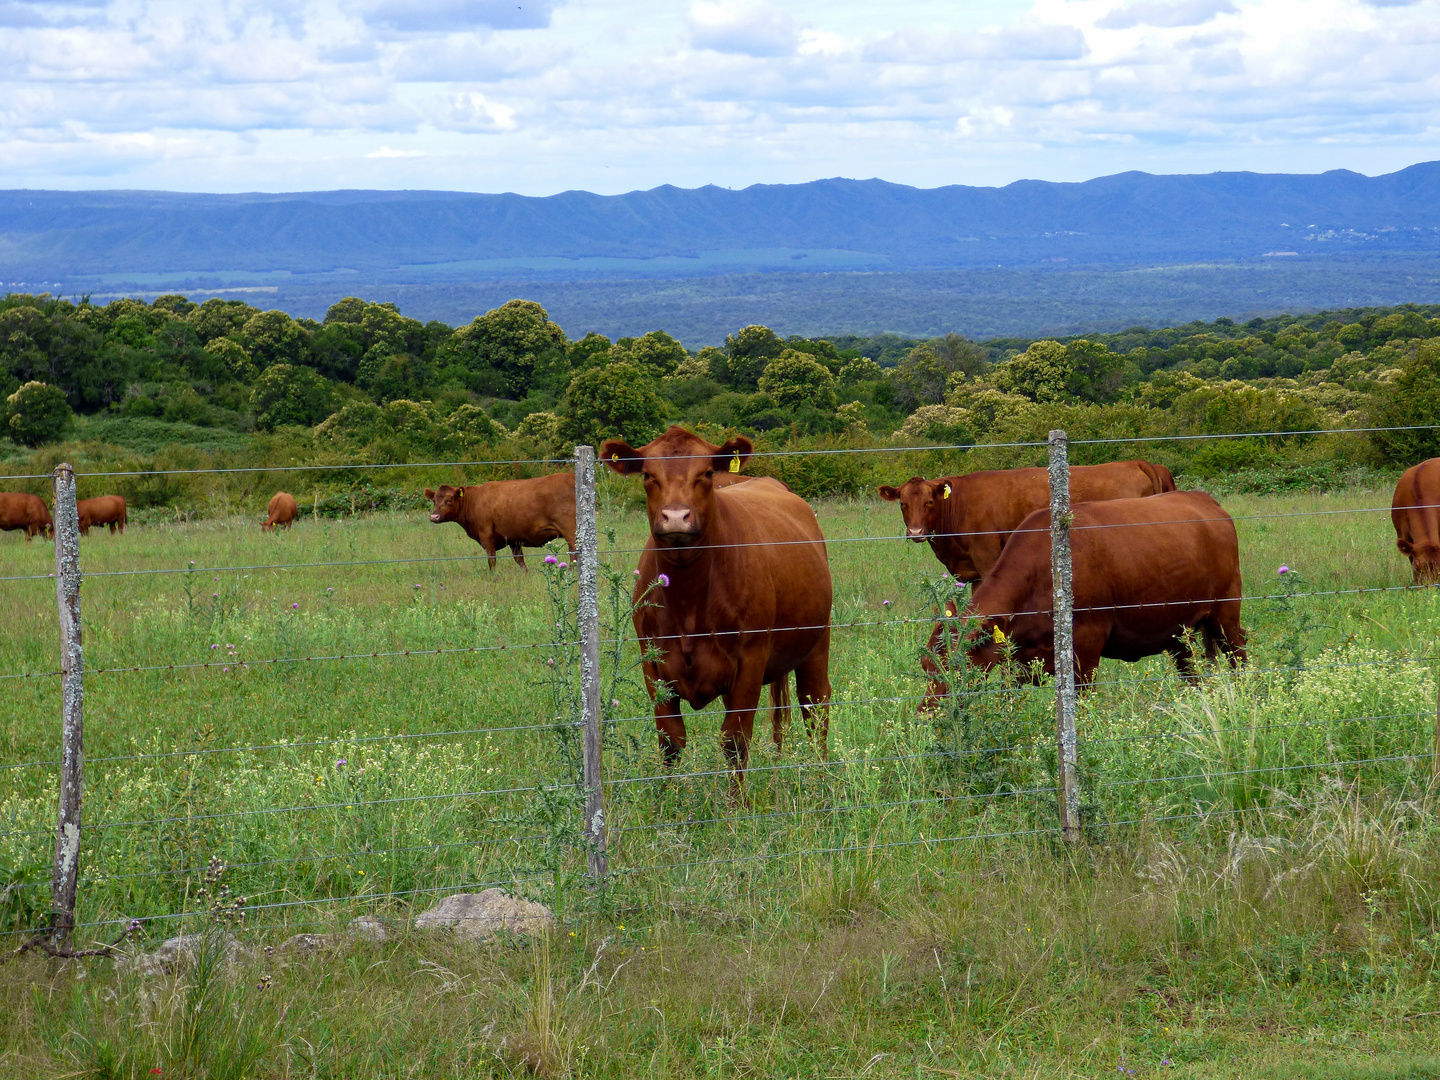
(1257, 887)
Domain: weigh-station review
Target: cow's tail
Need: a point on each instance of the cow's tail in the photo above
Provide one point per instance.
(779, 707)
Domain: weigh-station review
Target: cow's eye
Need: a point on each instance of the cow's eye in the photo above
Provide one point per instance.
(709, 472)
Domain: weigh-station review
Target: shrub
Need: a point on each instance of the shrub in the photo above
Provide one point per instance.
(290, 394)
(794, 378)
(37, 413)
(1412, 398)
(657, 353)
(615, 401)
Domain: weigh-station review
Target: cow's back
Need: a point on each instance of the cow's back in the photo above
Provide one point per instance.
(1128, 555)
(985, 508)
(523, 509)
(1415, 513)
(19, 510)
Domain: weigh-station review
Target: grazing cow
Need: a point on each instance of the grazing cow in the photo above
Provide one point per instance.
(967, 519)
(282, 510)
(743, 595)
(21, 511)
(510, 513)
(1415, 513)
(1146, 571)
(103, 510)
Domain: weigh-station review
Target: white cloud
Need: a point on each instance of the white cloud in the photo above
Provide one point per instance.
(1168, 13)
(443, 15)
(616, 94)
(474, 112)
(750, 30)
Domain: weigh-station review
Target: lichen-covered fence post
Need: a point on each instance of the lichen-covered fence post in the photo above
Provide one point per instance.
(1068, 793)
(588, 545)
(72, 710)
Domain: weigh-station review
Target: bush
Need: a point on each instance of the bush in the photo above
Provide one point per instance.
(1412, 398)
(615, 401)
(37, 413)
(794, 379)
(290, 394)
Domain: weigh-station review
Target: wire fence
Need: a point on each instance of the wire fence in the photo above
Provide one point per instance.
(332, 776)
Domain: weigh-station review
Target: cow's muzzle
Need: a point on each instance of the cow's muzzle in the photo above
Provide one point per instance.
(916, 535)
(437, 519)
(676, 525)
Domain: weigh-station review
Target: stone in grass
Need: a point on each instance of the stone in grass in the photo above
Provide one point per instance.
(481, 916)
(178, 952)
(365, 928)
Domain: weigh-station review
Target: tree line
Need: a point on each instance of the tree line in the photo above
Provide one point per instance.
(367, 375)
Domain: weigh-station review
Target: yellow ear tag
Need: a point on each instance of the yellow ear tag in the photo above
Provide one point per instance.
(999, 635)
(735, 462)
(946, 493)
(614, 457)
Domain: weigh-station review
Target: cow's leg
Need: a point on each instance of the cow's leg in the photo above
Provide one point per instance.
(519, 556)
(739, 725)
(1223, 631)
(936, 659)
(779, 709)
(670, 727)
(812, 688)
(1089, 641)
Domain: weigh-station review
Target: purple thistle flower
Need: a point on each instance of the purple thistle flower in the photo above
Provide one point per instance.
(563, 565)
(664, 580)
(330, 589)
(884, 603)
(215, 596)
(1284, 570)
(215, 646)
(551, 560)
(224, 669)
(294, 607)
(416, 585)
(637, 574)
(341, 763)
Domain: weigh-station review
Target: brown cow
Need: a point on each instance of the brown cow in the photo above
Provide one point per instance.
(1146, 572)
(966, 519)
(282, 511)
(734, 592)
(510, 513)
(103, 510)
(21, 511)
(1415, 513)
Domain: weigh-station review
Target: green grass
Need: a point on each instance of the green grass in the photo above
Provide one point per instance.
(895, 902)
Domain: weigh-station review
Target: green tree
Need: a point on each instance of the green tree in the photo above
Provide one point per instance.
(349, 310)
(860, 369)
(920, 378)
(794, 378)
(748, 351)
(273, 337)
(614, 401)
(400, 377)
(291, 394)
(232, 356)
(175, 304)
(505, 341)
(37, 413)
(593, 348)
(657, 353)
(1410, 399)
(220, 318)
(1040, 373)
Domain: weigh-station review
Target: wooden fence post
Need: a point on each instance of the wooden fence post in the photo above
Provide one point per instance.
(1068, 793)
(587, 544)
(64, 883)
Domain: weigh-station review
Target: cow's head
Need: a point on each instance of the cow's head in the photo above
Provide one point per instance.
(922, 502)
(447, 502)
(679, 470)
(1424, 560)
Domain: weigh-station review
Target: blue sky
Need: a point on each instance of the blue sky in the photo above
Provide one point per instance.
(538, 96)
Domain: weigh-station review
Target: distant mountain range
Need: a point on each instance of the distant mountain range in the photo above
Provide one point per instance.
(328, 243)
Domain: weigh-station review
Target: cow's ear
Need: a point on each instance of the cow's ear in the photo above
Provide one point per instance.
(621, 456)
(430, 494)
(890, 494)
(732, 456)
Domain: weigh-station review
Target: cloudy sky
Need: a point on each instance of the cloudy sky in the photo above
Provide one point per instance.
(538, 96)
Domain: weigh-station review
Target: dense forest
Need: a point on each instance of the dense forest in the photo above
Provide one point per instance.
(224, 382)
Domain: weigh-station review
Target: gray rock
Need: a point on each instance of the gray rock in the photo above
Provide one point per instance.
(307, 942)
(481, 916)
(179, 952)
(368, 928)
